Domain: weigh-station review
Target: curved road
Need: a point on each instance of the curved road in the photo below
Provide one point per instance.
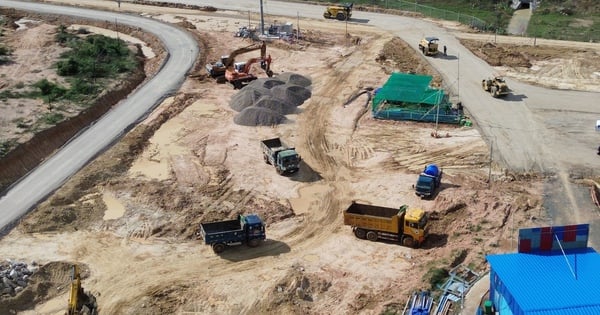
(47, 177)
(532, 130)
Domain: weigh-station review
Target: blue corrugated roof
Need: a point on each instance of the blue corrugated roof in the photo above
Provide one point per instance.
(546, 285)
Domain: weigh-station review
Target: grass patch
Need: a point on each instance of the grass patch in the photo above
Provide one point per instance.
(52, 118)
(435, 277)
(577, 20)
(551, 22)
(6, 146)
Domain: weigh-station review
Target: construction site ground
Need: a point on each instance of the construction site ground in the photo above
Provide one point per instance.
(130, 217)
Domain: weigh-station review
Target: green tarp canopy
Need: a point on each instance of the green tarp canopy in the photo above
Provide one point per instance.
(410, 89)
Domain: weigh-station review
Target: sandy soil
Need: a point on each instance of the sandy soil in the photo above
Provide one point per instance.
(135, 229)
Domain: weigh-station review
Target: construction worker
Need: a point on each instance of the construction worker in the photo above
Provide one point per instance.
(445, 50)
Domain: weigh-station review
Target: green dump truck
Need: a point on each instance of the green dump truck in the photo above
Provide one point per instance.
(283, 157)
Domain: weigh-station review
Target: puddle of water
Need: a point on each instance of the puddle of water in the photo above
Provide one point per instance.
(114, 208)
(159, 170)
(154, 162)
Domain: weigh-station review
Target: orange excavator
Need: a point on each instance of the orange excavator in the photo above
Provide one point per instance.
(239, 73)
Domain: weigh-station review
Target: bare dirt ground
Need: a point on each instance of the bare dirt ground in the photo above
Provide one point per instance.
(132, 214)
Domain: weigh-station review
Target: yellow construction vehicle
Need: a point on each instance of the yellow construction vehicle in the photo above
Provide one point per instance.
(429, 46)
(407, 226)
(80, 302)
(496, 86)
(340, 12)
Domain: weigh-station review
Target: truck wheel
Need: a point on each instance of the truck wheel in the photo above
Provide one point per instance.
(218, 247)
(372, 236)
(280, 171)
(253, 243)
(494, 91)
(408, 241)
(266, 159)
(341, 16)
(360, 233)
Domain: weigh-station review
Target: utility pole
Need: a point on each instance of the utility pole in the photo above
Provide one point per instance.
(262, 19)
(458, 76)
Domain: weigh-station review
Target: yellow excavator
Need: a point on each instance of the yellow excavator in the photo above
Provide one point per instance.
(80, 302)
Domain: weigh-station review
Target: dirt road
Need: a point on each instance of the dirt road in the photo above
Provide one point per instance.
(143, 257)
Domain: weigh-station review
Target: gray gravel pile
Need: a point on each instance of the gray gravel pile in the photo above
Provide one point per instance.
(293, 94)
(257, 116)
(14, 276)
(265, 101)
(247, 96)
(275, 104)
(266, 82)
(295, 79)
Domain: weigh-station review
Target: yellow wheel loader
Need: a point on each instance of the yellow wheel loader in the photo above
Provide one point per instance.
(341, 12)
(496, 86)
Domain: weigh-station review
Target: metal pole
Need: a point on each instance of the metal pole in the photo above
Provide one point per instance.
(298, 32)
(262, 19)
(458, 76)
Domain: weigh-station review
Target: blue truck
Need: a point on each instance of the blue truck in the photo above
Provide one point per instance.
(277, 153)
(429, 180)
(246, 229)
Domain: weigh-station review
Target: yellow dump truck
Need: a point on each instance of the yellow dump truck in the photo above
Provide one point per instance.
(404, 225)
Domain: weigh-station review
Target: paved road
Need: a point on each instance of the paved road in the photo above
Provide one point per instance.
(533, 130)
(46, 178)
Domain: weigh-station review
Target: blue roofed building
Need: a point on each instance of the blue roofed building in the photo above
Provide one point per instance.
(554, 273)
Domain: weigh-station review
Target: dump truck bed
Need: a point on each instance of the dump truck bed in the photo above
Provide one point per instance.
(373, 217)
(223, 231)
(273, 144)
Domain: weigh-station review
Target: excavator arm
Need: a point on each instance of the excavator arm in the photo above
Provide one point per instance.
(80, 302)
(231, 59)
(75, 291)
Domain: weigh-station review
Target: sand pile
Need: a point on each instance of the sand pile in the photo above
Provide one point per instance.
(275, 104)
(258, 116)
(265, 101)
(247, 96)
(295, 79)
(266, 82)
(294, 94)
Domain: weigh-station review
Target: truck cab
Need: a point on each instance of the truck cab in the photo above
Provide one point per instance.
(429, 180)
(416, 225)
(287, 161)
